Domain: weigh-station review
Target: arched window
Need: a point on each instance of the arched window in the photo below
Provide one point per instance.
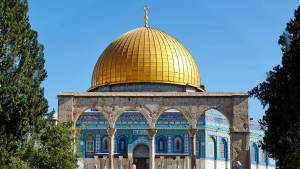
(211, 147)
(122, 145)
(223, 149)
(262, 155)
(161, 144)
(105, 144)
(254, 152)
(89, 147)
(178, 144)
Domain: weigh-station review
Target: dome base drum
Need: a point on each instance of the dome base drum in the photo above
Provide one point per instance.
(145, 87)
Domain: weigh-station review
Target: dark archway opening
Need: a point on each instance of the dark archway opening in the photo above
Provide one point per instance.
(141, 156)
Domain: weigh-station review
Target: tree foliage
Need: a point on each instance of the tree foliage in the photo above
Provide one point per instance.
(22, 102)
(55, 148)
(280, 95)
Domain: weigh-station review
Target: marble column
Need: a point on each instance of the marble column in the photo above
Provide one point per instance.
(111, 136)
(130, 161)
(96, 161)
(185, 163)
(103, 162)
(177, 162)
(193, 132)
(151, 134)
(162, 161)
(120, 162)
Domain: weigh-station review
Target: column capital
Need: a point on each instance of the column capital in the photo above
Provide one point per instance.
(193, 131)
(111, 131)
(152, 133)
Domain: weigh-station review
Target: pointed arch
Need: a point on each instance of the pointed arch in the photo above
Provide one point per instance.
(95, 116)
(85, 108)
(213, 116)
(181, 115)
(184, 110)
(215, 108)
(140, 110)
(130, 117)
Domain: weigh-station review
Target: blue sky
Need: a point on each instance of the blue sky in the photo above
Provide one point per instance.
(233, 42)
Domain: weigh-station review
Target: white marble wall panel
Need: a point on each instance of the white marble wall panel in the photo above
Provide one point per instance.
(221, 164)
(262, 167)
(271, 167)
(197, 163)
(210, 164)
(254, 166)
(158, 164)
(86, 163)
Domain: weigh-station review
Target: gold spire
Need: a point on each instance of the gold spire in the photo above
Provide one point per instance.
(146, 8)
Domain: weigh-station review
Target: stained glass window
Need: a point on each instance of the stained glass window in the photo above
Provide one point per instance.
(161, 144)
(122, 147)
(178, 144)
(105, 144)
(89, 146)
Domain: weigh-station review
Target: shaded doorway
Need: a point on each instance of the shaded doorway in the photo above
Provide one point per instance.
(141, 156)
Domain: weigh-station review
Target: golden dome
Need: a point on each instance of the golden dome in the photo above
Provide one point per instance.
(146, 55)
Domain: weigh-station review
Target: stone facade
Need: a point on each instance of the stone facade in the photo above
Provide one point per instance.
(234, 106)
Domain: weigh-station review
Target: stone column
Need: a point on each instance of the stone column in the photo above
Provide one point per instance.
(130, 161)
(239, 133)
(151, 134)
(240, 149)
(104, 161)
(177, 162)
(162, 160)
(96, 161)
(185, 163)
(121, 162)
(111, 135)
(193, 133)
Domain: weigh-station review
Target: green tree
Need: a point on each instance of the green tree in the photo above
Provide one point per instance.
(280, 95)
(54, 148)
(22, 102)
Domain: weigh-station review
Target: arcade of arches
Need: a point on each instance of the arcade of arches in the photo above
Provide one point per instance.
(152, 109)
